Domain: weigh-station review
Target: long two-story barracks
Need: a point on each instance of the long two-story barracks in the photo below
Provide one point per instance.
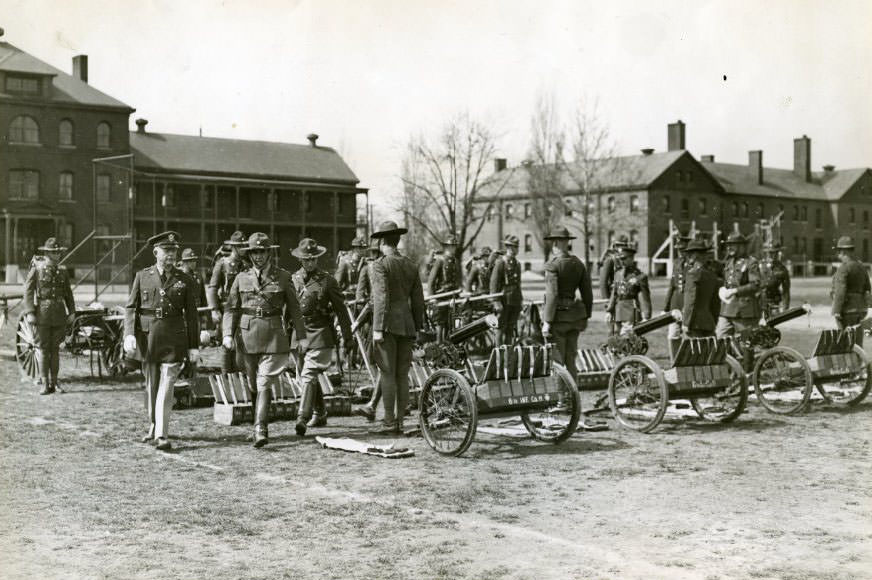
(639, 195)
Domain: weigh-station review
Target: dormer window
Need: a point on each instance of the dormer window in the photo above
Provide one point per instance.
(18, 85)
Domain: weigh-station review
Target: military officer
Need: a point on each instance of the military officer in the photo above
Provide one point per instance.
(188, 265)
(568, 299)
(775, 280)
(363, 293)
(49, 307)
(363, 297)
(223, 273)
(506, 278)
(444, 276)
(477, 281)
(611, 264)
(348, 271)
(260, 306)
(397, 316)
(675, 292)
(851, 286)
(741, 308)
(701, 304)
(161, 329)
(630, 301)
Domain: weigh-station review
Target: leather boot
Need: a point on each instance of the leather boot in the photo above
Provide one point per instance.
(319, 419)
(306, 406)
(261, 418)
(46, 387)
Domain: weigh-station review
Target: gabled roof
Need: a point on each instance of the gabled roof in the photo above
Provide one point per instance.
(783, 183)
(165, 152)
(67, 88)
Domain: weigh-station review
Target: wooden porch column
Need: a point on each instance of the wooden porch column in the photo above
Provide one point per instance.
(304, 198)
(236, 226)
(8, 234)
(274, 201)
(203, 195)
(335, 221)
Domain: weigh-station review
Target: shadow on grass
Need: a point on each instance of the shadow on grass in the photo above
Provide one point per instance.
(514, 448)
(740, 424)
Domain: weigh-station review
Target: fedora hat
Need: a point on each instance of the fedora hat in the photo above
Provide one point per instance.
(844, 243)
(237, 238)
(560, 233)
(51, 245)
(307, 249)
(388, 228)
(736, 238)
(165, 240)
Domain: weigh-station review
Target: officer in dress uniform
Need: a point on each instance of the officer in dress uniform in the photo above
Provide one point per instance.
(49, 307)
(775, 280)
(223, 274)
(568, 300)
(364, 297)
(675, 292)
(741, 308)
(260, 307)
(477, 281)
(321, 304)
(701, 304)
(444, 277)
(506, 278)
(610, 265)
(397, 316)
(630, 301)
(161, 327)
(188, 265)
(348, 271)
(851, 286)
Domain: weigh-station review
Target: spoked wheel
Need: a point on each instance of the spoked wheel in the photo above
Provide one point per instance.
(25, 348)
(113, 356)
(782, 380)
(558, 422)
(852, 389)
(725, 406)
(638, 395)
(448, 412)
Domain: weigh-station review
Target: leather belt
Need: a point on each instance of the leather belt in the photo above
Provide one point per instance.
(262, 312)
(159, 313)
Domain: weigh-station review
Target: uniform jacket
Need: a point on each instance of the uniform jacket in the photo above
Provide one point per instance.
(607, 275)
(48, 294)
(631, 298)
(744, 275)
(850, 284)
(775, 280)
(701, 303)
(505, 277)
(564, 276)
(675, 291)
(201, 287)
(223, 274)
(397, 296)
(320, 301)
(264, 334)
(363, 292)
(165, 336)
(477, 281)
(348, 272)
(444, 275)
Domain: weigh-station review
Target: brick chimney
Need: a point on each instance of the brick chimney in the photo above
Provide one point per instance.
(829, 168)
(313, 139)
(707, 158)
(80, 67)
(755, 162)
(140, 125)
(675, 136)
(802, 158)
(499, 164)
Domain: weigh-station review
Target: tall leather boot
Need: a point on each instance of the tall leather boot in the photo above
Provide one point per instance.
(319, 418)
(261, 418)
(43, 366)
(306, 406)
(54, 366)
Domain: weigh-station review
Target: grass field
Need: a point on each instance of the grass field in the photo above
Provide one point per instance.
(768, 497)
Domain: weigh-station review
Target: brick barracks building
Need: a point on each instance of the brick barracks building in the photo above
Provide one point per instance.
(53, 125)
(638, 195)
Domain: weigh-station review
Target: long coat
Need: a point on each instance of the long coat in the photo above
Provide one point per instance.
(564, 276)
(320, 300)
(48, 294)
(701, 302)
(397, 296)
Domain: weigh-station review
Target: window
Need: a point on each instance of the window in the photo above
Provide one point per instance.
(781, 211)
(490, 213)
(866, 219)
(865, 249)
(851, 216)
(23, 184)
(567, 211)
(207, 201)
(735, 209)
(689, 177)
(760, 210)
(66, 137)
(703, 206)
(679, 177)
(590, 205)
(307, 201)
(104, 187)
(610, 238)
(104, 135)
(795, 245)
(528, 210)
(24, 129)
(527, 266)
(22, 85)
(796, 213)
(611, 204)
(744, 209)
(634, 203)
(667, 203)
(819, 218)
(510, 211)
(66, 234)
(634, 236)
(803, 213)
(65, 186)
(528, 243)
(103, 230)
(685, 207)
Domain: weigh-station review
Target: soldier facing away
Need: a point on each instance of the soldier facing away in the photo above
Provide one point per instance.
(506, 278)
(162, 328)
(851, 286)
(223, 274)
(630, 301)
(49, 307)
(701, 304)
(741, 309)
(775, 280)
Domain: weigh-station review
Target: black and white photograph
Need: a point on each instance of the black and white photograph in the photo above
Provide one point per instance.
(435, 289)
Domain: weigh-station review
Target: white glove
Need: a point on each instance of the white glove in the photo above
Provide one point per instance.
(130, 343)
(227, 342)
(193, 353)
(546, 328)
(216, 316)
(378, 336)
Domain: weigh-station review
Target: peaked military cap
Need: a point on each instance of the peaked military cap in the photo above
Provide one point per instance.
(259, 241)
(621, 241)
(51, 245)
(165, 240)
(188, 254)
(359, 242)
(511, 240)
(844, 243)
(736, 238)
(388, 228)
(697, 246)
(237, 238)
(629, 248)
(560, 233)
(450, 240)
(308, 248)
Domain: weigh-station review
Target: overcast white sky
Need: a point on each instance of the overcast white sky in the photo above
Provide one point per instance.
(366, 75)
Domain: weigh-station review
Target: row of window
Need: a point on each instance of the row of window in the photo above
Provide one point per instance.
(274, 203)
(611, 205)
(24, 185)
(24, 129)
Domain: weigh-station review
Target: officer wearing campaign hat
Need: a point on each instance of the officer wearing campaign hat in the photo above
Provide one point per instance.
(161, 330)
(630, 301)
(188, 265)
(568, 299)
(851, 291)
(260, 307)
(224, 272)
(611, 263)
(49, 307)
(675, 292)
(775, 281)
(741, 308)
(350, 264)
(477, 281)
(505, 277)
(700, 303)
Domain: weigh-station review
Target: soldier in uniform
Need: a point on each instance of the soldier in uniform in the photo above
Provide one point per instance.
(675, 292)
(223, 274)
(348, 271)
(363, 293)
(775, 280)
(568, 299)
(188, 265)
(260, 307)
(364, 296)
(162, 328)
(701, 304)
(49, 307)
(630, 301)
(397, 316)
(444, 277)
(741, 307)
(506, 278)
(851, 287)
(321, 303)
(477, 281)
(610, 265)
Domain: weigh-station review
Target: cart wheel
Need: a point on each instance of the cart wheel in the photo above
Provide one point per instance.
(726, 405)
(558, 422)
(25, 348)
(448, 412)
(638, 395)
(782, 380)
(852, 389)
